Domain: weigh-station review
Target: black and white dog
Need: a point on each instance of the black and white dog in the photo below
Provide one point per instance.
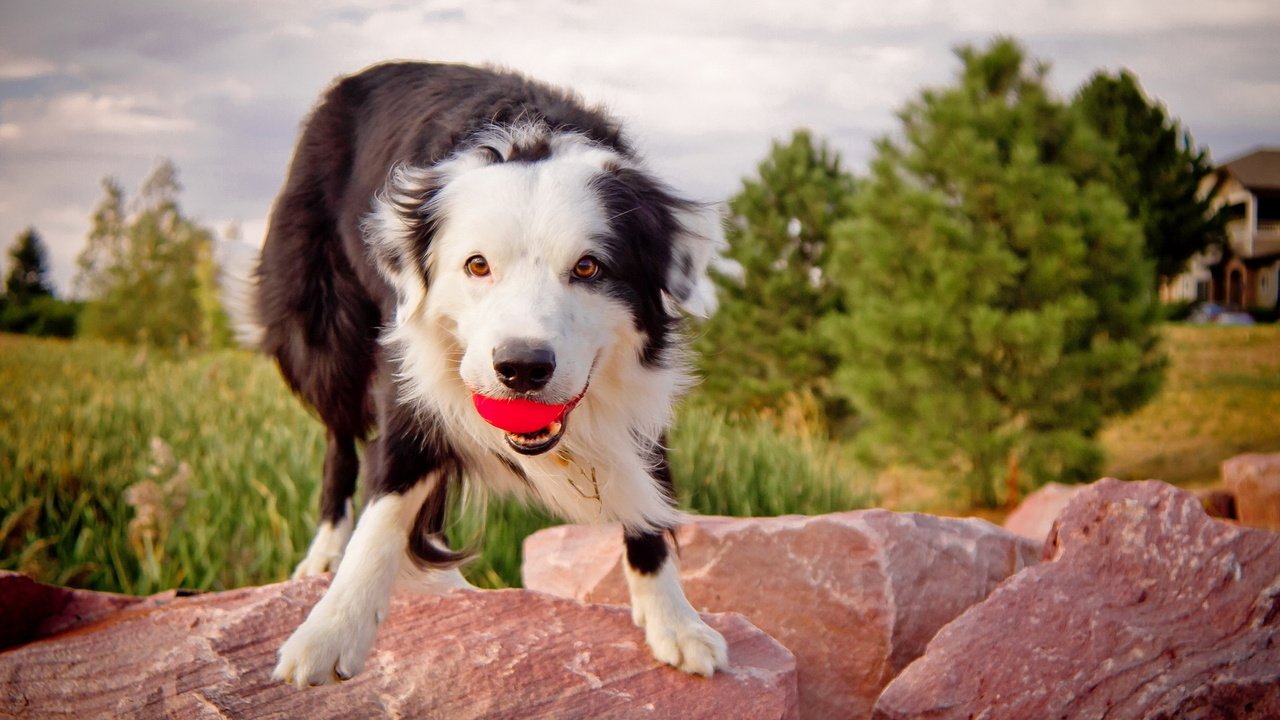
(456, 251)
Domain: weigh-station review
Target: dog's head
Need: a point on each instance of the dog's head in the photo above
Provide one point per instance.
(535, 259)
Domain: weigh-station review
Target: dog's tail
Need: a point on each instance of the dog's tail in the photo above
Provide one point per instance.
(238, 281)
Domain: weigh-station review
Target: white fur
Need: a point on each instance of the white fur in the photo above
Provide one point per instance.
(673, 629)
(325, 553)
(332, 643)
(532, 222)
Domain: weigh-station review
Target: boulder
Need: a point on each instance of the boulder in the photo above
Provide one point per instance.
(1144, 608)
(1034, 516)
(1255, 481)
(855, 595)
(466, 655)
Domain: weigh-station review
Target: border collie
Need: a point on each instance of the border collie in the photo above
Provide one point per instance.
(474, 275)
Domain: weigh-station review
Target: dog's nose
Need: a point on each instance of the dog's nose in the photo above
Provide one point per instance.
(524, 365)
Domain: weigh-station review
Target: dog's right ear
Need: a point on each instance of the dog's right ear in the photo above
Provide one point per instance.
(399, 230)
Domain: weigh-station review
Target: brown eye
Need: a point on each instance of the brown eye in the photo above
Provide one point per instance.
(586, 269)
(477, 266)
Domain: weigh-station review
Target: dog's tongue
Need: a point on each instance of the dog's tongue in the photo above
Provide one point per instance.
(517, 416)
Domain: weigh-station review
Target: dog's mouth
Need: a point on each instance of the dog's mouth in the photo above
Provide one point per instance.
(531, 428)
(540, 441)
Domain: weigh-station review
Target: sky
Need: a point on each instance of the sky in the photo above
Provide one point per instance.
(96, 89)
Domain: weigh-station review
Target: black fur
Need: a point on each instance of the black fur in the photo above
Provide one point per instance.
(322, 302)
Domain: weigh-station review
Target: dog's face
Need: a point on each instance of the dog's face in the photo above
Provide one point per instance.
(540, 266)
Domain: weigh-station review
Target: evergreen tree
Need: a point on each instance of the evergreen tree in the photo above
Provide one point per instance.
(142, 271)
(760, 350)
(999, 305)
(1158, 171)
(28, 269)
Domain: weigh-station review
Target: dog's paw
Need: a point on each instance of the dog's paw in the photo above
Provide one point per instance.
(329, 647)
(326, 549)
(682, 639)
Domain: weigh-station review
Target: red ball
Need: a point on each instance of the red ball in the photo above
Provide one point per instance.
(517, 415)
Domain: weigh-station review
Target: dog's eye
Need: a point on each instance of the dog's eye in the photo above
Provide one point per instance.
(477, 266)
(587, 268)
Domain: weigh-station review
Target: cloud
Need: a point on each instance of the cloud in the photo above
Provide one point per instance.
(95, 89)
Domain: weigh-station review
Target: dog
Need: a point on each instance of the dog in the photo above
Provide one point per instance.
(474, 275)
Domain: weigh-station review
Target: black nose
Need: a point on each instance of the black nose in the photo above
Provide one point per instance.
(524, 365)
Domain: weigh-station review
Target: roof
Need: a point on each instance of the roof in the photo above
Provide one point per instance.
(1259, 170)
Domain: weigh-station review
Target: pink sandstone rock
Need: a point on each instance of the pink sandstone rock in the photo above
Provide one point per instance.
(1144, 608)
(1255, 482)
(856, 595)
(509, 653)
(1034, 517)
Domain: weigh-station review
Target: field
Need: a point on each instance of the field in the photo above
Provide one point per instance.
(134, 472)
(1221, 398)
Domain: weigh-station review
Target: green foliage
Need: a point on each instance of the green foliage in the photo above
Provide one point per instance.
(1157, 170)
(28, 305)
(149, 275)
(127, 470)
(998, 304)
(28, 269)
(760, 348)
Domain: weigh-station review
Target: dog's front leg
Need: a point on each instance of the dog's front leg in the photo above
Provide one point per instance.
(334, 641)
(674, 631)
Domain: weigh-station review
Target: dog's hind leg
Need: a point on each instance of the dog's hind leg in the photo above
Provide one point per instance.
(341, 466)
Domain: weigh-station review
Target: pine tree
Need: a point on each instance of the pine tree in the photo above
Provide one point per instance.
(1158, 171)
(142, 271)
(760, 350)
(999, 306)
(28, 270)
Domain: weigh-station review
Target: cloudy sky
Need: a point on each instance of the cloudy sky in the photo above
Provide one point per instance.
(92, 89)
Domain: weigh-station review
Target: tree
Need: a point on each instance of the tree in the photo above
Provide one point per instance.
(28, 270)
(998, 302)
(761, 346)
(1158, 171)
(142, 271)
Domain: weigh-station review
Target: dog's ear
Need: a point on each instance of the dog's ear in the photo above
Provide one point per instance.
(691, 234)
(698, 246)
(398, 232)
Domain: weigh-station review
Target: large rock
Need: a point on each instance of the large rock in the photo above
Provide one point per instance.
(1254, 480)
(508, 653)
(856, 595)
(1144, 608)
(1034, 516)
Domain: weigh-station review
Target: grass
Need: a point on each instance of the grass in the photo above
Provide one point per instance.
(1221, 398)
(134, 472)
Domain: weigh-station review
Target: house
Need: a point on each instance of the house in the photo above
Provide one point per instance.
(1245, 272)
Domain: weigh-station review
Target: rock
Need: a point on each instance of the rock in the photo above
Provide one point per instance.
(1144, 608)
(856, 595)
(466, 655)
(1034, 517)
(1217, 503)
(31, 610)
(1255, 481)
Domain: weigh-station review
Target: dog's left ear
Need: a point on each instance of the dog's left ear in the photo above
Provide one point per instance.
(698, 245)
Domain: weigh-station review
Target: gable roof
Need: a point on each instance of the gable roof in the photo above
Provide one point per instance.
(1259, 170)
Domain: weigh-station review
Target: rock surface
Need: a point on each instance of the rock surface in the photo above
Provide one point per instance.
(856, 596)
(1255, 481)
(509, 653)
(1034, 516)
(1144, 608)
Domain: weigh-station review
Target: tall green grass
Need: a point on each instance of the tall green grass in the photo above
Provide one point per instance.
(135, 472)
